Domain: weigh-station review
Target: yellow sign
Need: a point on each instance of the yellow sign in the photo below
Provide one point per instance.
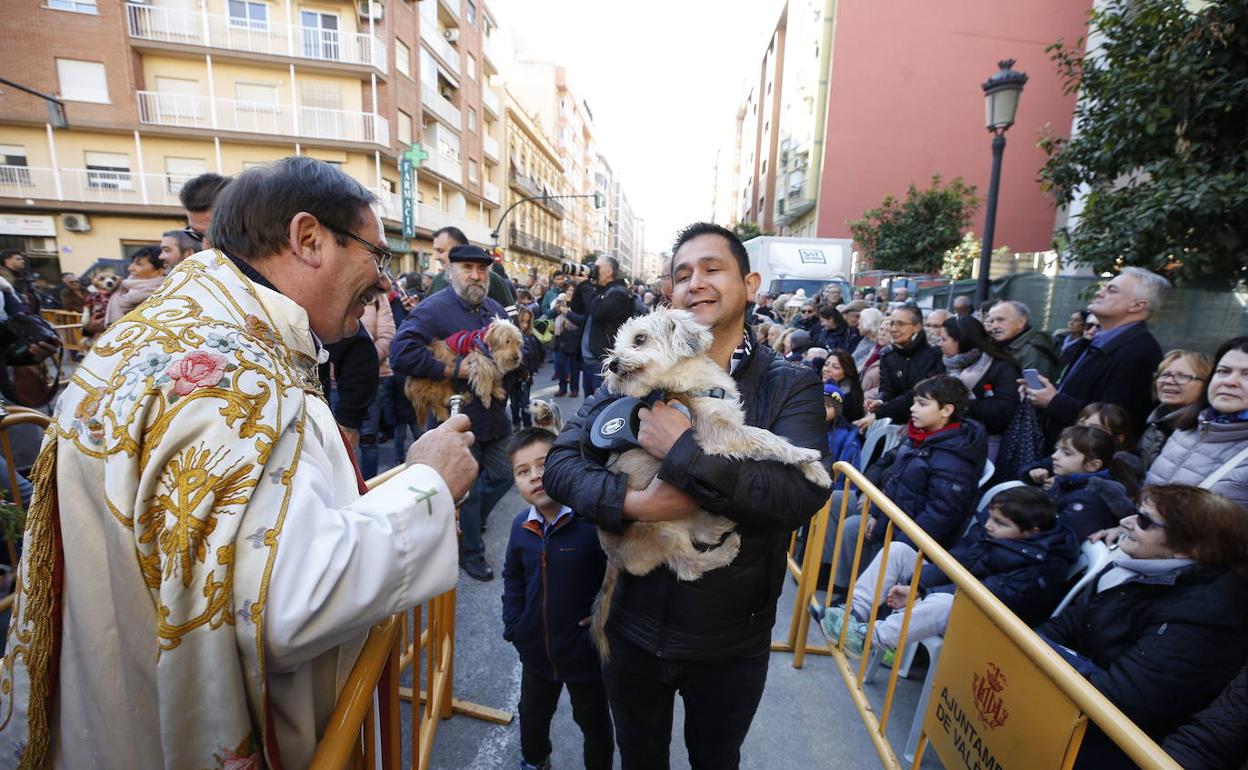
(991, 708)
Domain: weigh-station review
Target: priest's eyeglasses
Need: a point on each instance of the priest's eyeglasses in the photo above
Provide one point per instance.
(381, 254)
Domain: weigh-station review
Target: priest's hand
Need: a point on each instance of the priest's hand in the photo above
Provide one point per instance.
(446, 450)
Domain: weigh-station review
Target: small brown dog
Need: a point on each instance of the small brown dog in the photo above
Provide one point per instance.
(487, 355)
(546, 415)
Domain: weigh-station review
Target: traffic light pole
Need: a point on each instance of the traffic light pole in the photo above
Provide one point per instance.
(498, 227)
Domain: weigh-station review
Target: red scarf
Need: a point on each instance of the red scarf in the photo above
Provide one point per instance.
(918, 436)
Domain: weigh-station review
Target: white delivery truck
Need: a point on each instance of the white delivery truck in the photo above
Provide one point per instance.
(789, 264)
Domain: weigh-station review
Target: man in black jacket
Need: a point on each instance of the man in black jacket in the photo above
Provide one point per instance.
(906, 363)
(708, 638)
(600, 312)
(1118, 366)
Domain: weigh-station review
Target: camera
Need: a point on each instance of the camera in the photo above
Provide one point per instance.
(577, 270)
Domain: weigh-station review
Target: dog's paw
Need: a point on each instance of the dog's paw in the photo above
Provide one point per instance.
(815, 473)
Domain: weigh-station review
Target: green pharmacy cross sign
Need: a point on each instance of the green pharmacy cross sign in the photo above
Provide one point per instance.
(408, 163)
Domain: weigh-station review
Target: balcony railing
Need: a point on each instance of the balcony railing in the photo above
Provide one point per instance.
(389, 203)
(490, 145)
(440, 106)
(490, 191)
(185, 111)
(445, 166)
(431, 34)
(488, 50)
(451, 7)
(91, 185)
(525, 242)
(172, 25)
(524, 184)
(490, 100)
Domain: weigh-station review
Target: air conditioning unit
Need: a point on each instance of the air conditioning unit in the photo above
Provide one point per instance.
(451, 35)
(369, 9)
(77, 223)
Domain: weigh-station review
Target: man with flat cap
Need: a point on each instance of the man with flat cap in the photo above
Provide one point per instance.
(462, 306)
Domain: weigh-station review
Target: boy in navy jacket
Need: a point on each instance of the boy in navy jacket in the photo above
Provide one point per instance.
(1020, 553)
(552, 573)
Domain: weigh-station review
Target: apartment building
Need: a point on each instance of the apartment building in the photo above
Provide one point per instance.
(534, 230)
(168, 89)
(853, 101)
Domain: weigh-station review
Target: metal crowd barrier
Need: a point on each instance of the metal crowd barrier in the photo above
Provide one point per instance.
(366, 720)
(11, 417)
(992, 670)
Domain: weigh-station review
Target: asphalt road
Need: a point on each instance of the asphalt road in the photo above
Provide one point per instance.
(806, 718)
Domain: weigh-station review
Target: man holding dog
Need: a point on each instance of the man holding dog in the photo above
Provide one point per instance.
(462, 306)
(708, 639)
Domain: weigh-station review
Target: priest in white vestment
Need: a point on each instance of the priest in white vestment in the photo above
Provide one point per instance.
(200, 567)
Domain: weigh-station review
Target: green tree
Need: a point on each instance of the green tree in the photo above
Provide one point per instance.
(913, 235)
(746, 230)
(959, 262)
(1162, 146)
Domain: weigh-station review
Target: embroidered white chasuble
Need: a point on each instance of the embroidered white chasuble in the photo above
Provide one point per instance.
(198, 581)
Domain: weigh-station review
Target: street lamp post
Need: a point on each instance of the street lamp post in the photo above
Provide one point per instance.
(1001, 92)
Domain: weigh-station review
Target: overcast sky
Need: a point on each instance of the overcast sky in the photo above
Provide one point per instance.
(663, 79)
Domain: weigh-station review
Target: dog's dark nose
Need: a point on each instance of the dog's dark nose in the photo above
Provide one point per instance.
(614, 365)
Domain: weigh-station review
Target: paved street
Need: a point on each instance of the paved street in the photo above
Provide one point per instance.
(806, 719)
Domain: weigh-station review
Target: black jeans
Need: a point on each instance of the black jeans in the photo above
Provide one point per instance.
(720, 698)
(539, 697)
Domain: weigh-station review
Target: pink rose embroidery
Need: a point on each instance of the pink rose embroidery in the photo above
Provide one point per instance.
(237, 759)
(196, 370)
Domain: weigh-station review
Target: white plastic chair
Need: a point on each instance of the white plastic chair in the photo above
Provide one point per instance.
(993, 491)
(875, 434)
(1093, 557)
(989, 469)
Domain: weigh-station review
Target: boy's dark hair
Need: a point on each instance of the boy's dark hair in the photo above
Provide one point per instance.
(150, 255)
(945, 391)
(527, 437)
(830, 311)
(1096, 444)
(454, 233)
(1115, 419)
(708, 228)
(1027, 507)
(200, 193)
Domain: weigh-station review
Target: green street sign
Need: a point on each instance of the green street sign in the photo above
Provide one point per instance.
(416, 155)
(407, 197)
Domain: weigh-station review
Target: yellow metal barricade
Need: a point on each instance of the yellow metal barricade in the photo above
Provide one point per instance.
(427, 646)
(1000, 697)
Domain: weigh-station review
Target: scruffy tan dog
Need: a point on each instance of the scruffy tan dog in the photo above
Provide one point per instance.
(666, 351)
(546, 415)
(487, 354)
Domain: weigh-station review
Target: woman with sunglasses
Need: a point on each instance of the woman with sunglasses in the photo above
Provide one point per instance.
(1161, 630)
(1214, 453)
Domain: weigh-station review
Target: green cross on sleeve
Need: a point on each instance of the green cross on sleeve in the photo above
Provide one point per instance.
(425, 496)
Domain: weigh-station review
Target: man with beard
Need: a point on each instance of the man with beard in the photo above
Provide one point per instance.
(462, 306)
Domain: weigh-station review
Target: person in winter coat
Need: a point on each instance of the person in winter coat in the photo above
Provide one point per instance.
(1180, 387)
(908, 361)
(870, 321)
(839, 370)
(378, 321)
(1160, 632)
(600, 311)
(712, 635)
(987, 370)
(1217, 737)
(807, 317)
(551, 574)
(1009, 323)
(1117, 366)
(832, 332)
(843, 444)
(1019, 553)
(934, 473)
(1214, 454)
(567, 349)
(519, 381)
(1087, 482)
